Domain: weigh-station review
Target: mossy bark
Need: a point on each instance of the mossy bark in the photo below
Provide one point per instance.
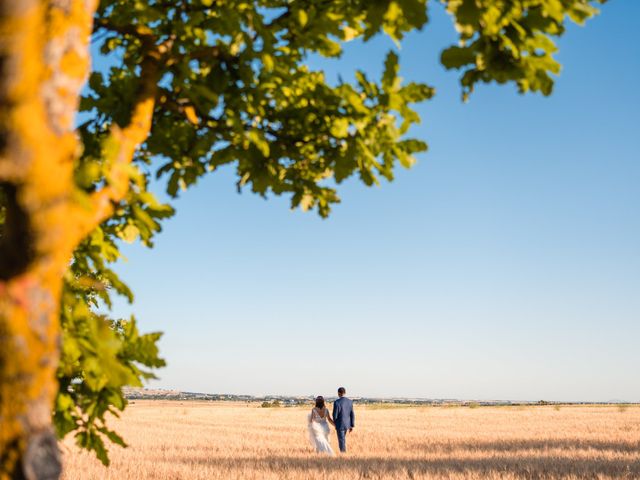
(44, 60)
(28, 359)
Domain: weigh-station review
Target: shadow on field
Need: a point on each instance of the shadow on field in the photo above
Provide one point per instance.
(534, 464)
(521, 467)
(515, 445)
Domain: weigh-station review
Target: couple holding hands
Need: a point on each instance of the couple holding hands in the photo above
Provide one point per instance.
(342, 418)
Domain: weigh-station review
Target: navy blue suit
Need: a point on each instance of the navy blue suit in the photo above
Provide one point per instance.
(344, 419)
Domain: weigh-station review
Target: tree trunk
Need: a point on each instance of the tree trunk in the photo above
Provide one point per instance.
(44, 61)
(29, 337)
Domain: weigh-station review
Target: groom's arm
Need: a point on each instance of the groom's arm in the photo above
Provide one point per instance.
(336, 410)
(353, 417)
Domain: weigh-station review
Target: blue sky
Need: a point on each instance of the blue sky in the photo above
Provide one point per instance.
(505, 264)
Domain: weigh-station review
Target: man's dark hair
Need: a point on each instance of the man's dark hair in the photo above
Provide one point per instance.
(341, 391)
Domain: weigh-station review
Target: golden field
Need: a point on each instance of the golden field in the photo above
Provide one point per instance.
(188, 440)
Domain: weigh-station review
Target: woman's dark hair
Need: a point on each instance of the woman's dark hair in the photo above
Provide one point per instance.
(320, 402)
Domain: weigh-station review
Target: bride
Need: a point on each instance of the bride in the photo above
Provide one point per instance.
(319, 420)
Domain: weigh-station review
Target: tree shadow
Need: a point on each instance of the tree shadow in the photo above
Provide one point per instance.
(515, 445)
(525, 467)
(521, 458)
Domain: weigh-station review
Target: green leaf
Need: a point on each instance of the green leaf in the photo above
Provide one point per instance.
(257, 138)
(391, 68)
(457, 57)
(113, 436)
(302, 17)
(130, 233)
(340, 128)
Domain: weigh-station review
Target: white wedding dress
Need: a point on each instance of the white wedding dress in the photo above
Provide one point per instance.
(319, 431)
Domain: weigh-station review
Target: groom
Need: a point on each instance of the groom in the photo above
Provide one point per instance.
(343, 418)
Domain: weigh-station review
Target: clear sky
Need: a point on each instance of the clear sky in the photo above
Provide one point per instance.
(504, 265)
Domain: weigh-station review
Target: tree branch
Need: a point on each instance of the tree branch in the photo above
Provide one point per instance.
(141, 31)
(123, 141)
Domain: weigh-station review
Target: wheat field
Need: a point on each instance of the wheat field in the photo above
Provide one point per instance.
(189, 440)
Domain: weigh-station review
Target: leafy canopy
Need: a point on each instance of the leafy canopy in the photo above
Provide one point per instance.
(234, 87)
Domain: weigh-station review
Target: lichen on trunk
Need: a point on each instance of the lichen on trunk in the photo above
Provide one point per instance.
(43, 64)
(29, 337)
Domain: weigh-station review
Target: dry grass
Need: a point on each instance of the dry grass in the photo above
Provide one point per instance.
(173, 440)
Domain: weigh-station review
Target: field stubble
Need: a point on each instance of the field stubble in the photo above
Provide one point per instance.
(173, 440)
